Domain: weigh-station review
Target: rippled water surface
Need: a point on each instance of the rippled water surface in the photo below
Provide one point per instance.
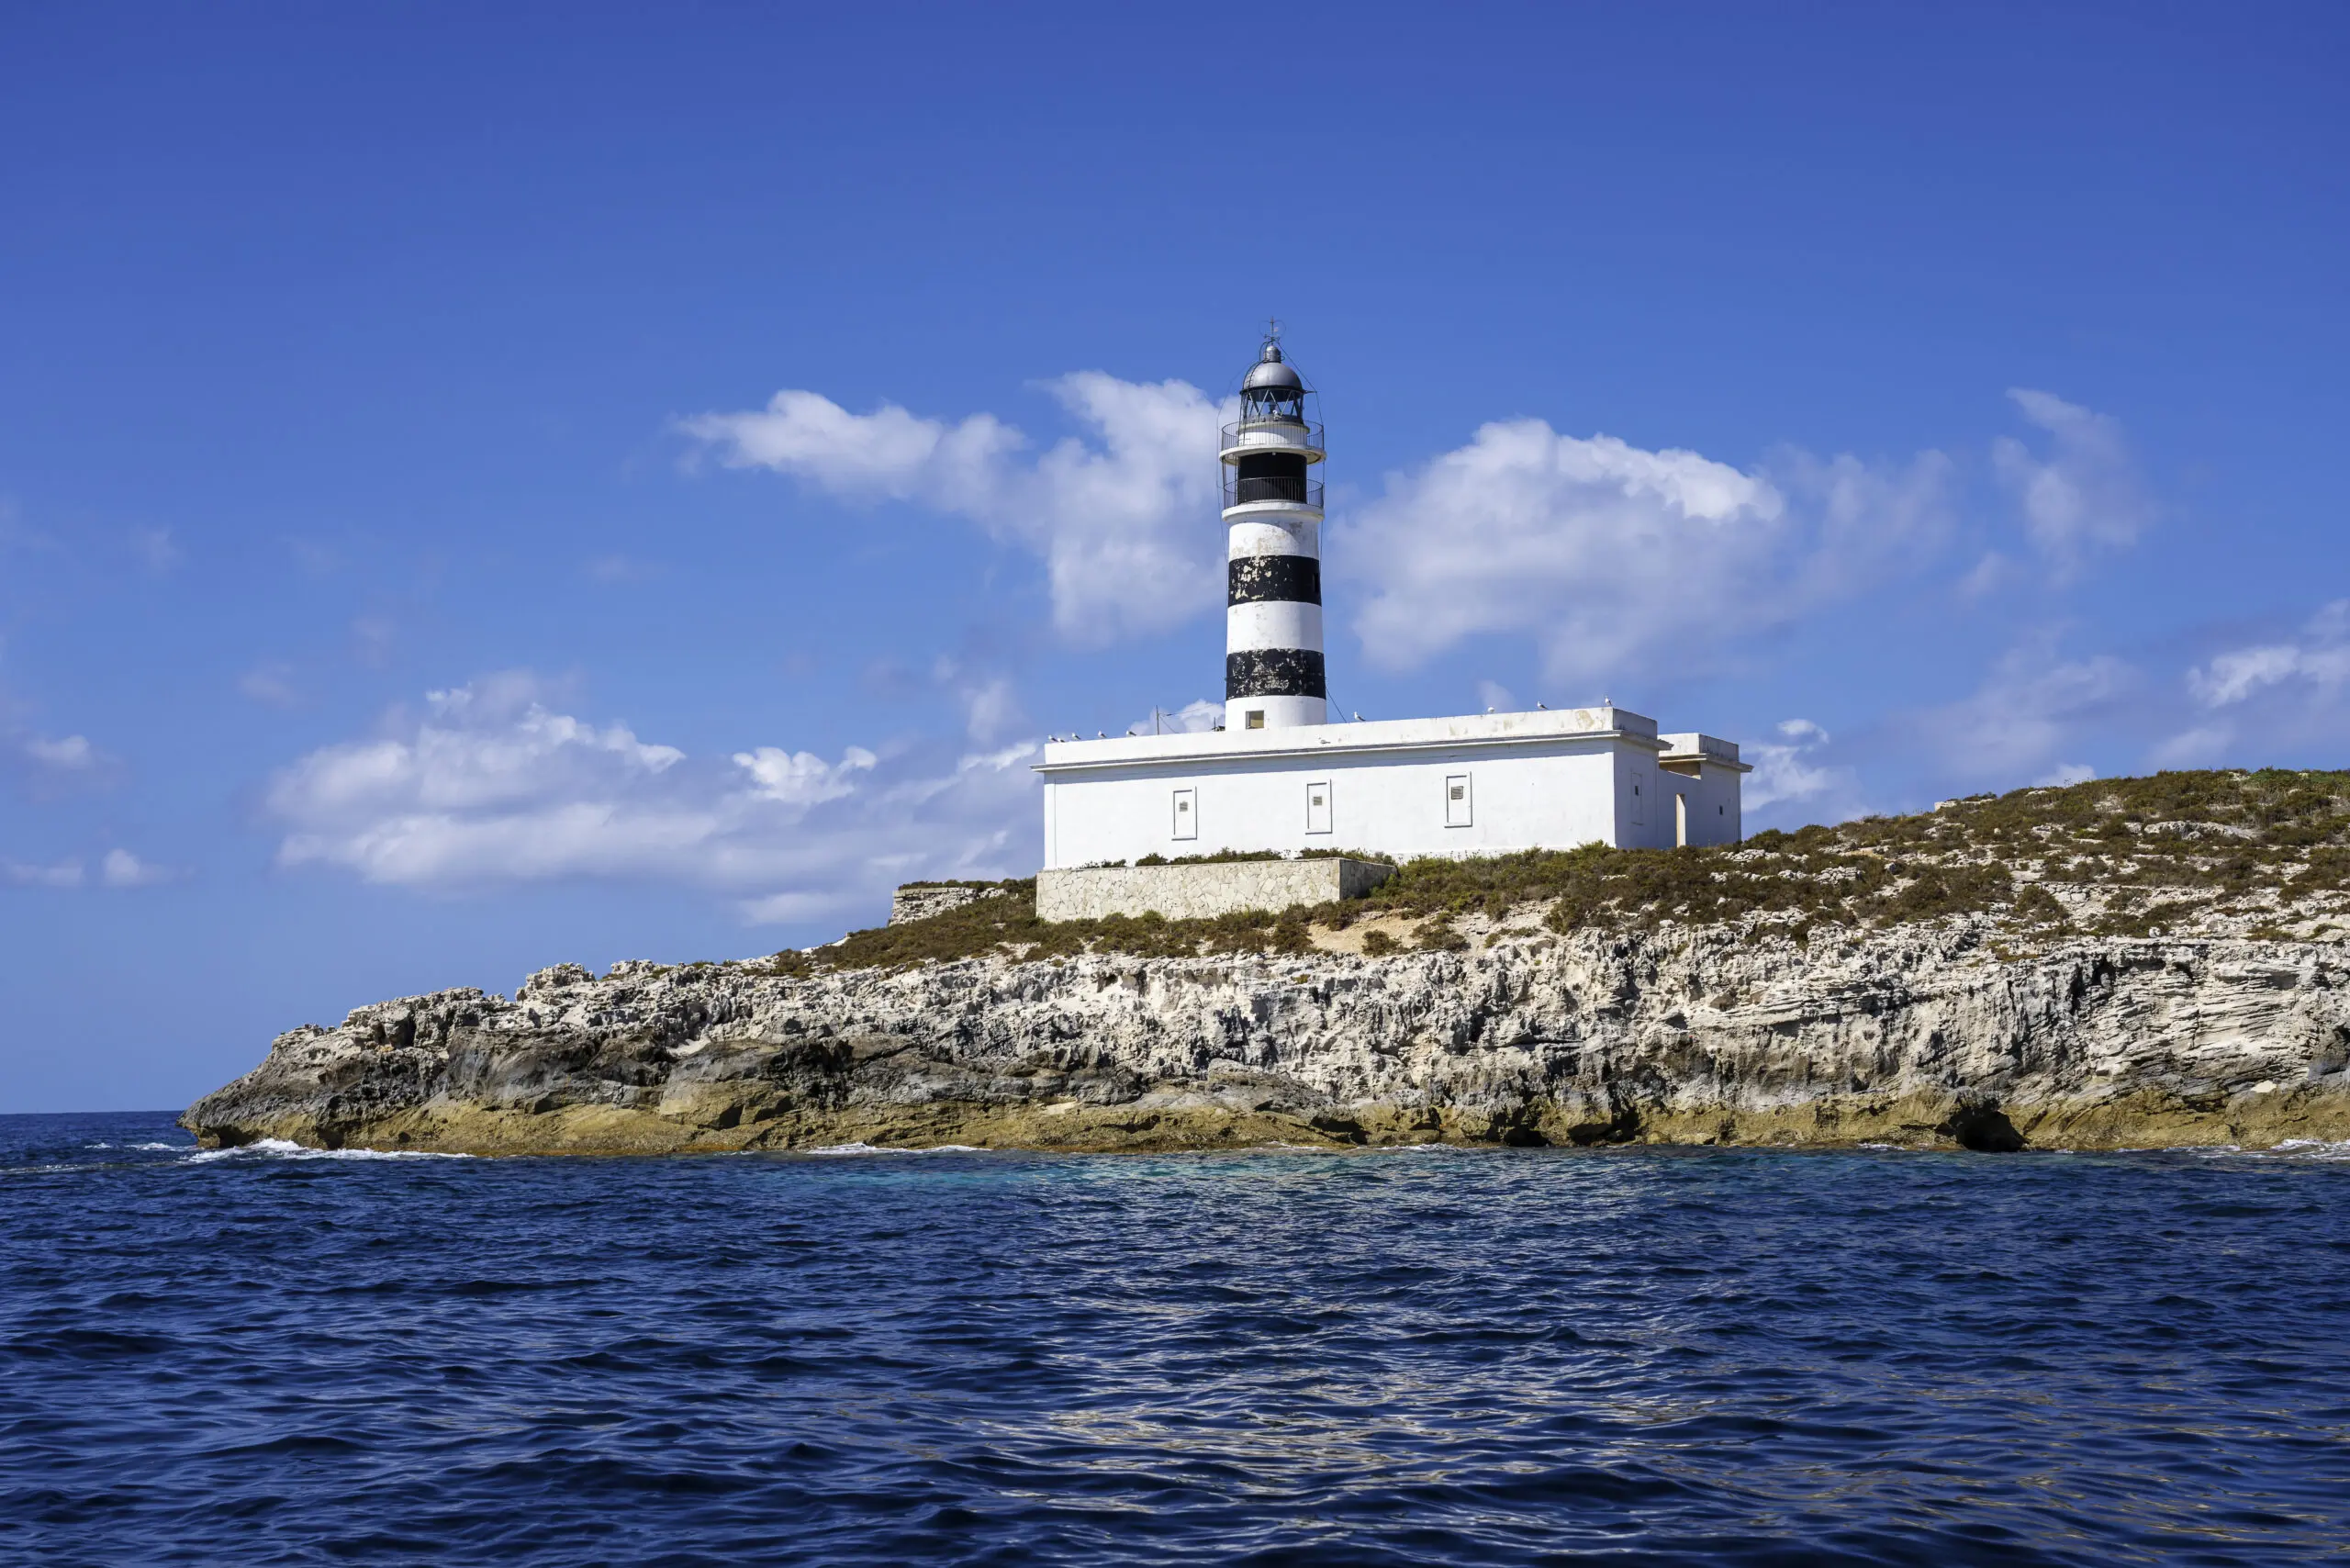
(1433, 1355)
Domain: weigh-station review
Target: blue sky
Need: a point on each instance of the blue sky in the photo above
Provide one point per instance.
(481, 487)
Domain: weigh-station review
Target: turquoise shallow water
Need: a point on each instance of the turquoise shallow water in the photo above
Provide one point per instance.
(1509, 1356)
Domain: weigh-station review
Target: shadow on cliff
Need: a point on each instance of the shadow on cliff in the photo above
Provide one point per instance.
(1981, 1126)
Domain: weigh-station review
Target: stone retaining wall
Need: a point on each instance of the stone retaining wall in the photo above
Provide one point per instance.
(1200, 892)
(919, 901)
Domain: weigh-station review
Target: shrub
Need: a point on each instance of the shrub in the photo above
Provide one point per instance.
(1291, 936)
(1440, 936)
(2287, 830)
(2146, 921)
(1937, 890)
(2037, 906)
(1379, 945)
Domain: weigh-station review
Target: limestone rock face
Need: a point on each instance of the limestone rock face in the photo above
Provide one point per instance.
(1918, 1036)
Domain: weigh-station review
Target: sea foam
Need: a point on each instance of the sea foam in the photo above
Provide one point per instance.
(287, 1148)
(837, 1151)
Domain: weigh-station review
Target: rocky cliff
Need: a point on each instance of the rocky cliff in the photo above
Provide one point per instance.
(1925, 1034)
(2121, 962)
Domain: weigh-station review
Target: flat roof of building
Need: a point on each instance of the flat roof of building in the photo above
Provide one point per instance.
(1497, 730)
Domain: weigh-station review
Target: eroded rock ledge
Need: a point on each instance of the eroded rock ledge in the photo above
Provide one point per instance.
(1918, 1036)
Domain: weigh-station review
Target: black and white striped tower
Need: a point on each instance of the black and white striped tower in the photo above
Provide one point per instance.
(1272, 659)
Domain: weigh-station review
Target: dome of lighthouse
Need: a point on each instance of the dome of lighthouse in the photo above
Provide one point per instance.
(1269, 373)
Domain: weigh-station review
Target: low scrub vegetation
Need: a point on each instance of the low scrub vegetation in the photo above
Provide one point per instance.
(2123, 856)
(1248, 856)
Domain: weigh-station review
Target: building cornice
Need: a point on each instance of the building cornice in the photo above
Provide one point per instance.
(1493, 731)
(1706, 759)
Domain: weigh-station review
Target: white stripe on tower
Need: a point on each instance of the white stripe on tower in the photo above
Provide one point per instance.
(1273, 660)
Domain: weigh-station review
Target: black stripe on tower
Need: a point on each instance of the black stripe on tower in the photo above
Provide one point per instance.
(1269, 477)
(1274, 672)
(1290, 579)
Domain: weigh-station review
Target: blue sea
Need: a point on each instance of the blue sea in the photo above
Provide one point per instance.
(1434, 1356)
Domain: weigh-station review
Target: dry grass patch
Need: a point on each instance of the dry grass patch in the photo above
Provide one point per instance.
(2213, 852)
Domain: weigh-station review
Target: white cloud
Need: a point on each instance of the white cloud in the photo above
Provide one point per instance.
(2031, 717)
(991, 711)
(620, 570)
(1199, 716)
(55, 766)
(271, 685)
(2278, 698)
(2233, 675)
(2319, 659)
(1123, 521)
(1612, 556)
(2033, 707)
(2083, 495)
(801, 777)
(72, 753)
(1785, 771)
(1496, 697)
(488, 785)
(372, 640)
(789, 908)
(1611, 559)
(1989, 575)
(480, 747)
(121, 868)
(1193, 717)
(155, 549)
(116, 868)
(889, 453)
(2289, 693)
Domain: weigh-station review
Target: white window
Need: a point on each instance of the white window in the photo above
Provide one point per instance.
(1186, 813)
(1458, 800)
(1317, 807)
(1255, 717)
(1639, 798)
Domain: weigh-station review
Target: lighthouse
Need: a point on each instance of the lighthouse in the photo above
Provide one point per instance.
(1250, 816)
(1272, 513)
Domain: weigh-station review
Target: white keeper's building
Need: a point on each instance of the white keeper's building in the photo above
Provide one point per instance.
(1277, 776)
